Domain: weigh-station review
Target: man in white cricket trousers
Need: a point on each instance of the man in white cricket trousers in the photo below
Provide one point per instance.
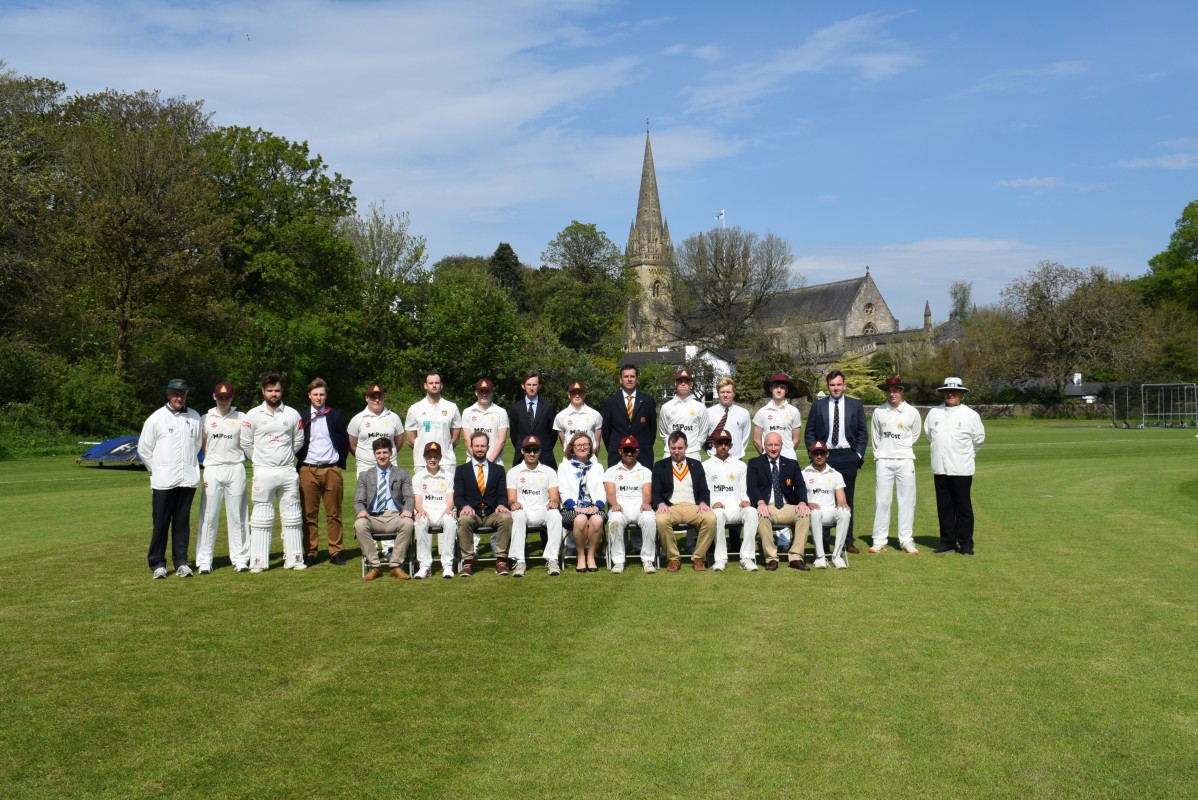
(534, 499)
(727, 481)
(168, 447)
(894, 430)
(432, 488)
(826, 499)
(271, 437)
(629, 487)
(224, 481)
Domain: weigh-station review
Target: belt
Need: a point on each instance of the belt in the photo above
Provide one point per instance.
(321, 466)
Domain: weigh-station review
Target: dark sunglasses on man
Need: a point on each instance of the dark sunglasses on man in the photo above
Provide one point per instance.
(532, 450)
(630, 451)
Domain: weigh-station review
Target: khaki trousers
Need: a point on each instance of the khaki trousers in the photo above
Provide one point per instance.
(500, 539)
(387, 522)
(317, 484)
(685, 514)
(787, 515)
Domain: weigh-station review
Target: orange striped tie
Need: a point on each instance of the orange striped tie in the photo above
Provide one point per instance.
(629, 399)
(482, 481)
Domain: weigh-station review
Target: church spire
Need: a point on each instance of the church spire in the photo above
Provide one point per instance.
(650, 253)
(648, 205)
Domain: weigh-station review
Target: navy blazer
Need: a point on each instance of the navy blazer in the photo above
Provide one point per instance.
(643, 426)
(794, 491)
(663, 482)
(337, 432)
(465, 488)
(542, 428)
(819, 426)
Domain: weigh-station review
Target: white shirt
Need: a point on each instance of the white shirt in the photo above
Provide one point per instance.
(433, 491)
(490, 420)
(222, 437)
(434, 422)
(894, 431)
(822, 486)
(842, 442)
(629, 485)
(169, 447)
(688, 416)
(738, 424)
(727, 481)
(571, 420)
(320, 444)
(955, 433)
(366, 427)
(271, 438)
(783, 420)
(532, 485)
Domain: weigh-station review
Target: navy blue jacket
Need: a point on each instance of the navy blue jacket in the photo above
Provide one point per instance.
(337, 432)
(819, 426)
(663, 482)
(794, 491)
(465, 488)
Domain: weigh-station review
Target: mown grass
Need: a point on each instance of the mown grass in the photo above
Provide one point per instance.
(1059, 662)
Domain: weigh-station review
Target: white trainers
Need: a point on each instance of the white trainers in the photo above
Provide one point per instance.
(159, 574)
(447, 572)
(878, 548)
(910, 547)
(256, 570)
(649, 567)
(552, 568)
(204, 570)
(820, 563)
(183, 571)
(387, 553)
(748, 566)
(839, 562)
(298, 565)
(519, 570)
(719, 566)
(617, 568)
(423, 572)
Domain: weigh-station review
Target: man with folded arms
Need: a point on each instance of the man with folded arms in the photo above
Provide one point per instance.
(534, 499)
(825, 498)
(224, 479)
(271, 437)
(384, 502)
(480, 494)
(433, 488)
(776, 490)
(629, 487)
(726, 478)
(680, 496)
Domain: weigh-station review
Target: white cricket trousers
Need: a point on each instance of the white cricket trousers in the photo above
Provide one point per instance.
(747, 517)
(894, 475)
(617, 521)
(826, 517)
(447, 533)
(271, 483)
(551, 518)
(224, 482)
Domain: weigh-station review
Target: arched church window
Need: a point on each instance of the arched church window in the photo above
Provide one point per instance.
(822, 345)
(656, 288)
(870, 329)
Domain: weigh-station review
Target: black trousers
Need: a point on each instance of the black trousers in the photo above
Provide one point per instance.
(172, 514)
(955, 510)
(845, 462)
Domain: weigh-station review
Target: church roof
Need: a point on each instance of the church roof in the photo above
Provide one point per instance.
(819, 303)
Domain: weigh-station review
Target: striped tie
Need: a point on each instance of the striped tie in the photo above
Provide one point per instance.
(380, 495)
(835, 422)
(482, 481)
(719, 427)
(629, 399)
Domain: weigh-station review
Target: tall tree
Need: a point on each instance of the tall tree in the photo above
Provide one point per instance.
(721, 281)
(392, 261)
(141, 227)
(509, 272)
(1174, 271)
(960, 295)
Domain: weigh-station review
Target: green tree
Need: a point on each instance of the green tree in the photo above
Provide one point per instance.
(509, 272)
(1174, 271)
(584, 293)
(960, 295)
(721, 281)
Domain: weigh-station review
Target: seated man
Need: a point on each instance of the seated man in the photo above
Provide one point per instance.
(480, 494)
(629, 486)
(680, 495)
(434, 511)
(384, 502)
(777, 491)
(533, 497)
(825, 498)
(730, 502)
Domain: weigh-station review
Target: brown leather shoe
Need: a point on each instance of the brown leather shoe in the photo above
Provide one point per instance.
(674, 565)
(467, 568)
(699, 566)
(852, 548)
(397, 572)
(372, 574)
(800, 564)
(501, 566)
(771, 565)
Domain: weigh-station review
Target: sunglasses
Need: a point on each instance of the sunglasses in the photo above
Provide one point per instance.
(532, 450)
(630, 451)
(815, 453)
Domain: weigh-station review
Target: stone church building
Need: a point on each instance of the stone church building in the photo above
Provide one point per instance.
(818, 323)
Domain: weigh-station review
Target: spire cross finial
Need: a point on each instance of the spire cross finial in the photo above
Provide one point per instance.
(646, 124)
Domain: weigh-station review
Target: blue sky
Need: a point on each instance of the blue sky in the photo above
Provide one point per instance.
(933, 142)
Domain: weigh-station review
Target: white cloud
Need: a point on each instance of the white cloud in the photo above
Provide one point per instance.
(707, 52)
(1171, 161)
(1025, 78)
(1031, 183)
(858, 45)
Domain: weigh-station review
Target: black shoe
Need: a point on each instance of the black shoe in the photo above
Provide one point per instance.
(309, 561)
(338, 559)
(968, 552)
(945, 548)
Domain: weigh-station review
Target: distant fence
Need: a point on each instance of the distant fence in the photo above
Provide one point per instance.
(1155, 405)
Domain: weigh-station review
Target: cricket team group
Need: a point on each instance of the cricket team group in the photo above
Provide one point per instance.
(298, 457)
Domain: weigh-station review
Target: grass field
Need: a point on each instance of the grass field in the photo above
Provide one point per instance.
(1061, 661)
